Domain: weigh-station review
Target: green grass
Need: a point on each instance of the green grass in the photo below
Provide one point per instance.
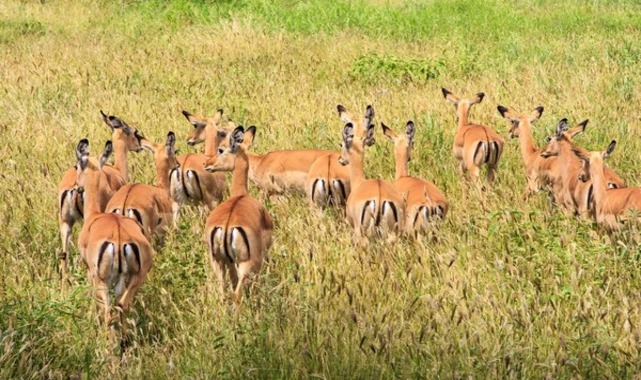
(517, 290)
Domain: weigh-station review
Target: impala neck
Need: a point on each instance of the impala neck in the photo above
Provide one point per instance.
(162, 176)
(598, 179)
(401, 164)
(525, 138)
(92, 194)
(462, 113)
(120, 158)
(212, 141)
(356, 173)
(239, 175)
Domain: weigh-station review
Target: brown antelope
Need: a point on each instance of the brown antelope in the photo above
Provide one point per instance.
(474, 144)
(572, 194)
(125, 138)
(538, 169)
(328, 181)
(611, 205)
(374, 205)
(425, 202)
(113, 247)
(275, 172)
(151, 206)
(191, 182)
(239, 231)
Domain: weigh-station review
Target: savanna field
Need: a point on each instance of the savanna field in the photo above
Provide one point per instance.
(504, 289)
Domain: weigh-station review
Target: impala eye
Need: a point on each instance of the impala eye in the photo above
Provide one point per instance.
(221, 151)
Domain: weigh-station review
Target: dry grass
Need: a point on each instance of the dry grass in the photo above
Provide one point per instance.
(517, 291)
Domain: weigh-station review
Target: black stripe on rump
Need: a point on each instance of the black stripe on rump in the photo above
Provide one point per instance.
(245, 238)
(62, 199)
(365, 207)
(137, 215)
(136, 250)
(393, 206)
(101, 252)
(314, 188)
(342, 187)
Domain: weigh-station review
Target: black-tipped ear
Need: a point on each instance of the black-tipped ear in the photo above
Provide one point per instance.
(409, 131)
(369, 114)
(250, 133)
(186, 114)
(82, 153)
(502, 110)
(610, 148)
(480, 96)
(387, 131)
(445, 92)
(341, 109)
(369, 135)
(562, 127)
(583, 124)
(106, 152)
(539, 109)
(171, 139)
(237, 137)
(112, 121)
(348, 133)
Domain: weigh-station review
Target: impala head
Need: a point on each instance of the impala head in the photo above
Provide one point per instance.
(88, 166)
(462, 105)
(239, 140)
(590, 158)
(124, 133)
(517, 120)
(560, 136)
(200, 125)
(402, 143)
(165, 154)
(357, 134)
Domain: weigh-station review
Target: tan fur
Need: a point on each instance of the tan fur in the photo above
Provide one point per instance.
(239, 231)
(425, 203)
(70, 204)
(328, 182)
(150, 205)
(113, 247)
(374, 206)
(474, 144)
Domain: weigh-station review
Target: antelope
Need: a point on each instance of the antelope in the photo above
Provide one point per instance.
(113, 247)
(191, 181)
(538, 169)
(425, 201)
(574, 195)
(275, 172)
(151, 206)
(328, 182)
(125, 138)
(611, 205)
(239, 231)
(474, 144)
(374, 205)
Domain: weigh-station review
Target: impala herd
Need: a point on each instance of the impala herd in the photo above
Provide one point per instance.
(123, 219)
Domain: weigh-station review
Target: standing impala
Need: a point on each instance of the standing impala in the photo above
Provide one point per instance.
(611, 204)
(538, 169)
(328, 181)
(474, 144)
(113, 247)
(374, 205)
(151, 206)
(425, 201)
(125, 139)
(239, 231)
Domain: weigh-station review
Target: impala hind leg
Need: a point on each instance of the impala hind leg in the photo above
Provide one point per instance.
(101, 289)
(65, 236)
(491, 174)
(125, 299)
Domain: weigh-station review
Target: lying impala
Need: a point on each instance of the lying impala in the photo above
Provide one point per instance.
(151, 206)
(611, 205)
(539, 170)
(239, 231)
(574, 195)
(474, 144)
(425, 202)
(374, 205)
(328, 181)
(125, 139)
(113, 247)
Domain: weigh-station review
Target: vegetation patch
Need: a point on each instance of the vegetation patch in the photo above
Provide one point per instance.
(390, 67)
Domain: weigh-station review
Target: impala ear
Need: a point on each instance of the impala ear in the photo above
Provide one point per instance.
(369, 135)
(170, 144)
(106, 152)
(114, 122)
(561, 127)
(82, 154)
(369, 114)
(449, 96)
(193, 120)
(580, 128)
(477, 98)
(236, 138)
(409, 131)
(508, 115)
(610, 148)
(250, 133)
(348, 134)
(536, 115)
(219, 115)
(581, 153)
(343, 114)
(388, 132)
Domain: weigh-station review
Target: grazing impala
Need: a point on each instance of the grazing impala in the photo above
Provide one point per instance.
(192, 182)
(113, 247)
(238, 231)
(573, 194)
(374, 205)
(125, 139)
(611, 205)
(151, 206)
(328, 181)
(425, 202)
(538, 169)
(474, 144)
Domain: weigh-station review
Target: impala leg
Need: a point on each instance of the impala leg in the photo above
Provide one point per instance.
(65, 236)
(125, 300)
(219, 271)
(175, 209)
(491, 173)
(102, 301)
(243, 274)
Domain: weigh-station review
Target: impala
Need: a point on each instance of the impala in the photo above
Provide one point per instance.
(113, 247)
(239, 231)
(424, 200)
(125, 138)
(474, 144)
(151, 206)
(611, 205)
(374, 206)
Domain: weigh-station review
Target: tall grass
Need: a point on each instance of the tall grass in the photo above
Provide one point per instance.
(512, 290)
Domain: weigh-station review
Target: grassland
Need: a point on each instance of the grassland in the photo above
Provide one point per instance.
(514, 290)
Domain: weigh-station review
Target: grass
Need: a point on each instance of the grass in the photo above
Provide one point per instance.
(519, 291)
